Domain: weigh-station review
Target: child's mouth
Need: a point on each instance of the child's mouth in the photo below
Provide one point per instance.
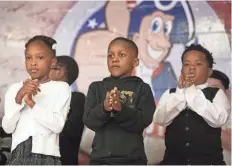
(34, 70)
(115, 67)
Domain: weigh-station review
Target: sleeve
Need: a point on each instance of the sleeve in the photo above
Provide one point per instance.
(12, 110)
(95, 115)
(138, 118)
(169, 106)
(74, 125)
(215, 113)
(54, 119)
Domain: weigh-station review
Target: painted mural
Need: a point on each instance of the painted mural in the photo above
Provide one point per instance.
(83, 29)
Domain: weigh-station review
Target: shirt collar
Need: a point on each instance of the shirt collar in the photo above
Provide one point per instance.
(202, 86)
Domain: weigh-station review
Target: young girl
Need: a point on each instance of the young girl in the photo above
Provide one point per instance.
(35, 110)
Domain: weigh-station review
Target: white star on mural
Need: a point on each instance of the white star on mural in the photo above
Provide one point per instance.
(92, 23)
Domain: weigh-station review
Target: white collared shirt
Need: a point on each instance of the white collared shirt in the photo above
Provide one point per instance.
(215, 113)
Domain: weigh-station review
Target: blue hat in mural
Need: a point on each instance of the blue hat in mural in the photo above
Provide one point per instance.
(182, 28)
(183, 25)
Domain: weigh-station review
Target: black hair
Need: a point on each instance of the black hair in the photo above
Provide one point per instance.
(222, 77)
(199, 48)
(48, 41)
(129, 42)
(71, 67)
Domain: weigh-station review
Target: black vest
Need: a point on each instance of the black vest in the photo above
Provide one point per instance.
(190, 140)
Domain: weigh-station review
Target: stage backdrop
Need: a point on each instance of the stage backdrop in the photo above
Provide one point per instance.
(83, 29)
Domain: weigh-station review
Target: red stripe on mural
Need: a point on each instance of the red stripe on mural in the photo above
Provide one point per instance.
(223, 10)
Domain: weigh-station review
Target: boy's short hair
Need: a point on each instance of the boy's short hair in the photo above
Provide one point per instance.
(71, 67)
(199, 48)
(46, 40)
(222, 77)
(129, 42)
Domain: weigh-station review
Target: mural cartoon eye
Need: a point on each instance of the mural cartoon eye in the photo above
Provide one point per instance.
(157, 24)
(168, 27)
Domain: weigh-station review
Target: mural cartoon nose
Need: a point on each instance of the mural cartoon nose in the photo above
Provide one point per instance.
(163, 41)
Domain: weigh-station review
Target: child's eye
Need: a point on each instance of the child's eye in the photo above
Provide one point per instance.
(186, 64)
(199, 64)
(40, 57)
(121, 54)
(27, 58)
(110, 55)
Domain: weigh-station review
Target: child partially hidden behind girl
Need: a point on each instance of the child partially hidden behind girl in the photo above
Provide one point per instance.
(35, 111)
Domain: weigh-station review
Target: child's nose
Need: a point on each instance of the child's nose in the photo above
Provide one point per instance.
(192, 67)
(115, 59)
(34, 63)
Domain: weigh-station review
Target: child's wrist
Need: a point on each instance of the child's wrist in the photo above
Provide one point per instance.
(18, 99)
(31, 104)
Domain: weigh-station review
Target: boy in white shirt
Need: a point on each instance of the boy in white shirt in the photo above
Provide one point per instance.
(193, 113)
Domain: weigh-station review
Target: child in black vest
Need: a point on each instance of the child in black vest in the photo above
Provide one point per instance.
(193, 113)
(118, 109)
(66, 69)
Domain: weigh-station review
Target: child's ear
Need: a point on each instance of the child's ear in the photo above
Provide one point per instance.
(210, 71)
(136, 62)
(54, 61)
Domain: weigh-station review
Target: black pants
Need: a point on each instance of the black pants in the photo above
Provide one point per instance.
(126, 162)
(178, 160)
(68, 151)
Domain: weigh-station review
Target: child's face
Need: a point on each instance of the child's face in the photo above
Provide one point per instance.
(57, 73)
(216, 83)
(38, 60)
(54, 73)
(195, 63)
(121, 59)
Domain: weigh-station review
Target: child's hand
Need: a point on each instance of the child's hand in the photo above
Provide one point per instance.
(117, 105)
(33, 85)
(186, 80)
(189, 80)
(108, 102)
(28, 100)
(29, 87)
(181, 82)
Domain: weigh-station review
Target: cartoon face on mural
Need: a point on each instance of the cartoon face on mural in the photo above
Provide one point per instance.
(153, 38)
(161, 30)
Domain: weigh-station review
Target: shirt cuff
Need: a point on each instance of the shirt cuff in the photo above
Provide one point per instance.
(181, 97)
(190, 94)
(19, 106)
(104, 113)
(178, 90)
